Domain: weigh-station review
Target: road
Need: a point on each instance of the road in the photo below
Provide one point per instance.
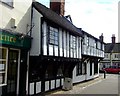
(97, 86)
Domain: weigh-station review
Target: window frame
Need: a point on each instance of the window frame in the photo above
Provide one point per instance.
(4, 71)
(87, 41)
(79, 69)
(73, 43)
(83, 68)
(53, 36)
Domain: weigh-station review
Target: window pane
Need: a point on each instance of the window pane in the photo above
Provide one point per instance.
(2, 65)
(52, 41)
(2, 53)
(56, 42)
(2, 78)
(53, 36)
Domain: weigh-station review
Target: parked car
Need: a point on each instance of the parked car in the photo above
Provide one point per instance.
(112, 69)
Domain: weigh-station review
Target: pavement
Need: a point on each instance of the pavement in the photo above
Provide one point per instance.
(100, 85)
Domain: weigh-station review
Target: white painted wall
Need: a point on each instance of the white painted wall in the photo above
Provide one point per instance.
(22, 15)
(79, 78)
(88, 71)
(36, 34)
(60, 43)
(44, 27)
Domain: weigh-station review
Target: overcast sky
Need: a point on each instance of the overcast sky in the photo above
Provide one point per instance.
(93, 16)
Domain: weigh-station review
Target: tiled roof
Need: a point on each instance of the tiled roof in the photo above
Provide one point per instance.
(110, 47)
(57, 19)
(83, 32)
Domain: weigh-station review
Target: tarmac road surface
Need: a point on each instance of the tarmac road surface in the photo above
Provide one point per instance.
(110, 85)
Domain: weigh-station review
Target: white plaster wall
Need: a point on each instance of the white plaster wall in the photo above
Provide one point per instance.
(44, 38)
(31, 88)
(36, 34)
(52, 84)
(88, 71)
(38, 87)
(79, 49)
(58, 83)
(21, 12)
(67, 44)
(64, 36)
(46, 85)
(60, 43)
(79, 78)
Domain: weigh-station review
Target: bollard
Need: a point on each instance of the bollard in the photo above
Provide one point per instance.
(104, 74)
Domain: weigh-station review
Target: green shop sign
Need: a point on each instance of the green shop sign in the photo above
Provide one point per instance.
(15, 40)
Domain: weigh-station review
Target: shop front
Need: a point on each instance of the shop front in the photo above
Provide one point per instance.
(14, 48)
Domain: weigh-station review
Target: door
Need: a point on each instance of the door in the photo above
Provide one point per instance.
(12, 72)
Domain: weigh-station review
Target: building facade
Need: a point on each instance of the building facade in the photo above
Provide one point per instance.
(92, 53)
(40, 48)
(112, 54)
(14, 46)
(56, 49)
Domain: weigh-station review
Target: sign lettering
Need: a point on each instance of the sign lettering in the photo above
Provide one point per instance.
(7, 38)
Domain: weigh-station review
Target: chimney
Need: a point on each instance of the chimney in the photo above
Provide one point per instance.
(101, 37)
(58, 6)
(113, 38)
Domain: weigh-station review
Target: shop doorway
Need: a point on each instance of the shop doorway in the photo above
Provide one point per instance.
(12, 72)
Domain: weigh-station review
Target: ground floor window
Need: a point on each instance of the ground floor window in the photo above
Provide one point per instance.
(3, 65)
(78, 69)
(84, 68)
(91, 68)
(96, 66)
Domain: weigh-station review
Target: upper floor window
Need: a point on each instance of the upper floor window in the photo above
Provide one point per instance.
(87, 41)
(95, 44)
(53, 36)
(106, 55)
(73, 43)
(117, 55)
(98, 45)
(8, 2)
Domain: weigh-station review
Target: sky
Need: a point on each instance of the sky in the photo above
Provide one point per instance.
(93, 16)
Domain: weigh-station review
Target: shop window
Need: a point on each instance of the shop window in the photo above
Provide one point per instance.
(60, 72)
(50, 71)
(3, 66)
(8, 2)
(83, 68)
(78, 69)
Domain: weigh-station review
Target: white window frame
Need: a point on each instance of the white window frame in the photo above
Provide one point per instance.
(5, 72)
(54, 36)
